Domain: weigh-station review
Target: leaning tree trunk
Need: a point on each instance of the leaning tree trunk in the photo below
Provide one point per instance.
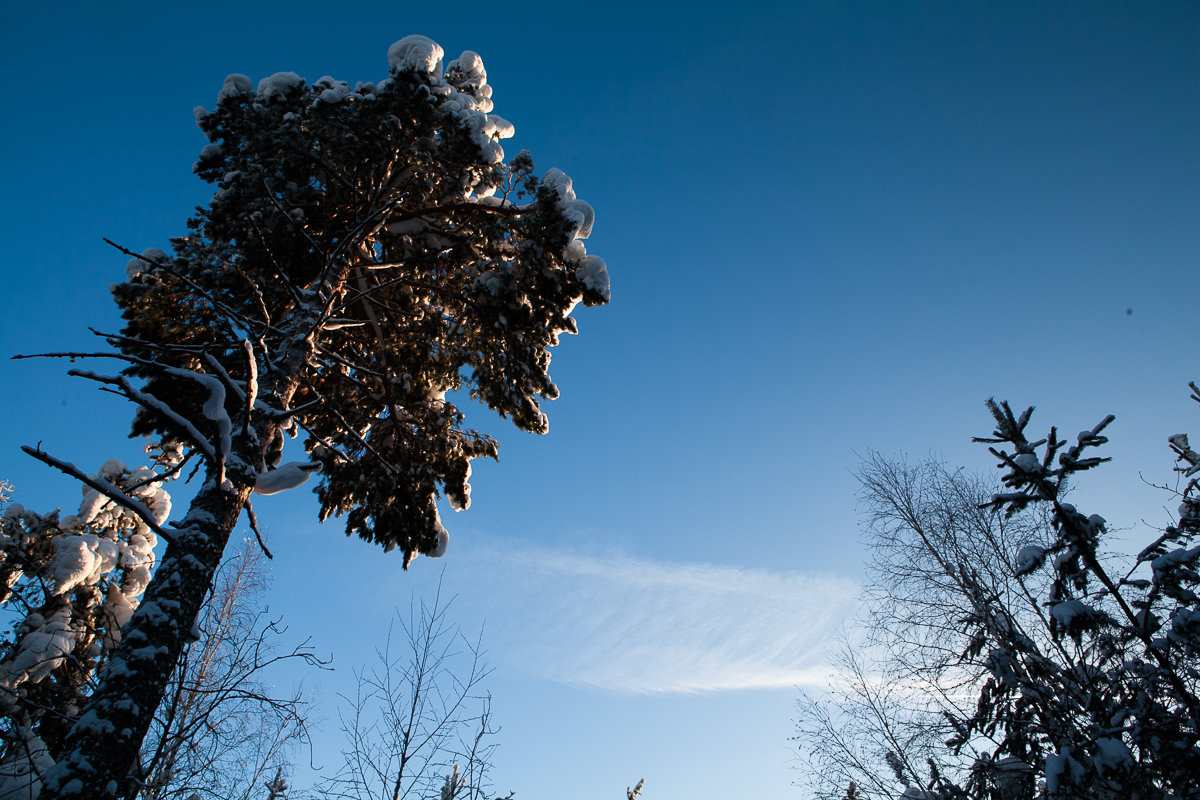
(102, 749)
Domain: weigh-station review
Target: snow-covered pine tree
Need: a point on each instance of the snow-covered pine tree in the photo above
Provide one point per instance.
(69, 583)
(366, 252)
(1110, 709)
(1009, 656)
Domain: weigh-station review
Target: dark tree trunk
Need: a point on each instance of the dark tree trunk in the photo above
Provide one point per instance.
(104, 745)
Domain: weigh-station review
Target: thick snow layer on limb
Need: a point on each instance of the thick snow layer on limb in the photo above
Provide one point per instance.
(214, 405)
(416, 53)
(288, 476)
(41, 650)
(81, 559)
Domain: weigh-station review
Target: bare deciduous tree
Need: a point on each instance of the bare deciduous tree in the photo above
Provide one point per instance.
(221, 730)
(900, 673)
(418, 725)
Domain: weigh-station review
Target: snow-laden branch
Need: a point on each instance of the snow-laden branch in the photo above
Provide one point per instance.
(223, 374)
(214, 406)
(105, 488)
(149, 401)
(289, 476)
(285, 413)
(251, 394)
(213, 409)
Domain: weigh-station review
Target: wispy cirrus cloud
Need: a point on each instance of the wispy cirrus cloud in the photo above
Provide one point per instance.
(658, 627)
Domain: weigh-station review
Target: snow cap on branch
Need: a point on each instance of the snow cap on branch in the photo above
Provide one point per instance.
(416, 53)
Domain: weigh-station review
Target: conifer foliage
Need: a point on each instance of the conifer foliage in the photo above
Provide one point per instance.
(368, 254)
(1019, 657)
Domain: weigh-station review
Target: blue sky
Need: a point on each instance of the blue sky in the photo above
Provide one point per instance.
(831, 228)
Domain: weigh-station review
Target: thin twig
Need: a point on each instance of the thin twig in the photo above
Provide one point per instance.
(254, 527)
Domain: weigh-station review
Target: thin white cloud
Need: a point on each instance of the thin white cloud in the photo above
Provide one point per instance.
(652, 627)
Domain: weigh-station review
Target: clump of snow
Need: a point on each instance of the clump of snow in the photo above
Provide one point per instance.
(575, 250)
(416, 53)
(88, 587)
(1028, 559)
(111, 470)
(490, 281)
(25, 760)
(41, 650)
(1071, 613)
(442, 543)
(408, 226)
(1174, 558)
(1028, 462)
(561, 183)
(136, 266)
(236, 85)
(278, 85)
(486, 131)
(463, 502)
(120, 603)
(1062, 770)
(593, 273)
(333, 91)
(590, 270)
(80, 559)
(286, 477)
(468, 74)
(1112, 754)
(583, 215)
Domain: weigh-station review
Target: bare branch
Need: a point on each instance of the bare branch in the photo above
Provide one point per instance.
(254, 527)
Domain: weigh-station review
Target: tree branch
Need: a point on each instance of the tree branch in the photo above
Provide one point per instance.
(104, 487)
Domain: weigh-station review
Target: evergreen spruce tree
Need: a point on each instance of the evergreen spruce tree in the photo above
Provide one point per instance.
(1018, 658)
(367, 258)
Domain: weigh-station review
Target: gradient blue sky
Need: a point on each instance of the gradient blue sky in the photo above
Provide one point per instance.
(831, 228)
